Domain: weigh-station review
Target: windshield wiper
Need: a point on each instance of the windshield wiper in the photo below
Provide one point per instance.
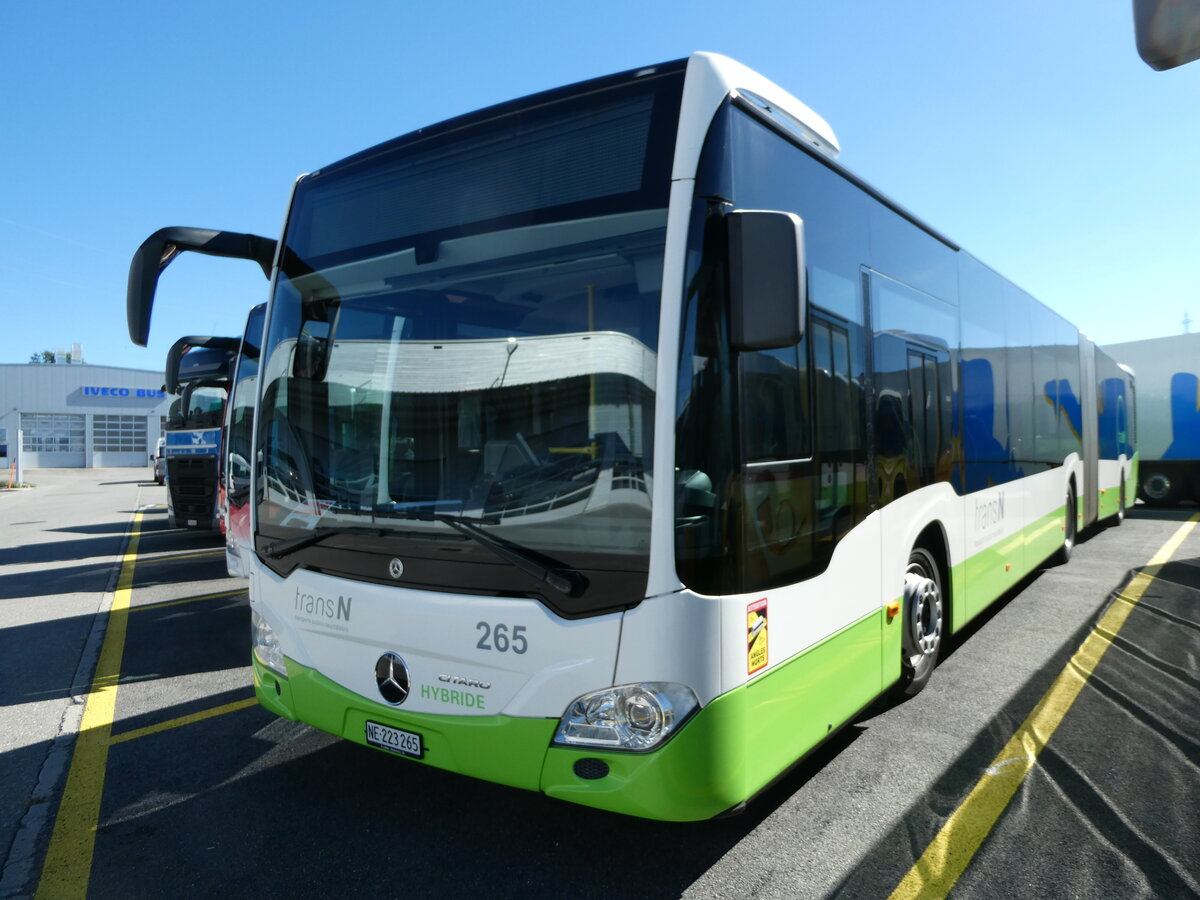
(565, 581)
(288, 546)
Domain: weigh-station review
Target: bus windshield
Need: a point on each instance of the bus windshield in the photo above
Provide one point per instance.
(199, 407)
(464, 332)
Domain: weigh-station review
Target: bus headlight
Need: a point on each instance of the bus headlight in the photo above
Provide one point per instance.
(267, 649)
(627, 717)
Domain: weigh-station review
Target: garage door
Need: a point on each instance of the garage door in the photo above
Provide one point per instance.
(53, 441)
(119, 441)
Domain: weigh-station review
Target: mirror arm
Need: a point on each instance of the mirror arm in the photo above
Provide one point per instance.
(162, 247)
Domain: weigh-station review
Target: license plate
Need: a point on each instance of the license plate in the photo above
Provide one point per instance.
(406, 743)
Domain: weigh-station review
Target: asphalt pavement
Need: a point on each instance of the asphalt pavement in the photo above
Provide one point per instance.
(60, 545)
(1079, 690)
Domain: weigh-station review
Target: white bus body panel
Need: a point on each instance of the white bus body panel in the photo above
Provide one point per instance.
(340, 628)
(1111, 472)
(679, 637)
(710, 79)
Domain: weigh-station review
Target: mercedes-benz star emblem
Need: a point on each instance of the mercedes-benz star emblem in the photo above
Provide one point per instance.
(391, 676)
(396, 568)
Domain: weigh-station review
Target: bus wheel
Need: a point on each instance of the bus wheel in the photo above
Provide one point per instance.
(1120, 516)
(1063, 556)
(1158, 490)
(924, 622)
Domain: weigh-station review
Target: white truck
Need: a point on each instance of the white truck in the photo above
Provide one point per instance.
(1168, 415)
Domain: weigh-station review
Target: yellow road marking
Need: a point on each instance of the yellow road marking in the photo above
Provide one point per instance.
(951, 851)
(68, 862)
(167, 556)
(165, 603)
(181, 720)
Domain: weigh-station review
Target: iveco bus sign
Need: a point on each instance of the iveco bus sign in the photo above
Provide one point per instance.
(94, 391)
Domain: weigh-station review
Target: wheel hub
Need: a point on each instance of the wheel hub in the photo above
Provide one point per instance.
(923, 601)
(1157, 486)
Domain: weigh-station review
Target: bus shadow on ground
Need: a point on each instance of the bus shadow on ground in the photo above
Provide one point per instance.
(78, 549)
(1119, 774)
(106, 540)
(97, 528)
(1180, 513)
(85, 578)
(219, 631)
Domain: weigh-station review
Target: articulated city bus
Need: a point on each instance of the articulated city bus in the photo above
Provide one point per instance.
(618, 443)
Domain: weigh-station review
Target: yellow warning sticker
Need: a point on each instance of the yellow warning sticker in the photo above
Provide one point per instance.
(756, 636)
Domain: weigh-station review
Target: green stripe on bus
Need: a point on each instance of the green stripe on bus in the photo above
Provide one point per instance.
(503, 749)
(730, 750)
(995, 569)
(741, 741)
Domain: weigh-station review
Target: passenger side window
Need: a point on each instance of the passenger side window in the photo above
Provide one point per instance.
(835, 387)
(923, 406)
(776, 424)
(838, 410)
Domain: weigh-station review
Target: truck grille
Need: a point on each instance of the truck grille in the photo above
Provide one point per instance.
(193, 483)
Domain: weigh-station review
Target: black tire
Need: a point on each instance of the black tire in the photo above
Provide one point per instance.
(1070, 530)
(923, 622)
(1157, 489)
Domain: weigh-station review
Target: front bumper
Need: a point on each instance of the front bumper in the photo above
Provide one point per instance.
(697, 774)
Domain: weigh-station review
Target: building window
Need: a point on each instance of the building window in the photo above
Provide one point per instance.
(51, 433)
(119, 434)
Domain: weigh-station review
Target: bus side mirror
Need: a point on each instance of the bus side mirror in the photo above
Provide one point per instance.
(207, 364)
(1167, 32)
(161, 248)
(767, 292)
(312, 350)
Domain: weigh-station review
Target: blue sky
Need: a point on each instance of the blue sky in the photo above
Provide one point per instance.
(1029, 132)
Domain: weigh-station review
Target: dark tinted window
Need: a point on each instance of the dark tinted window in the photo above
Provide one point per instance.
(537, 164)
(775, 405)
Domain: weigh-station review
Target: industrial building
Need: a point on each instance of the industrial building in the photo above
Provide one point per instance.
(75, 415)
